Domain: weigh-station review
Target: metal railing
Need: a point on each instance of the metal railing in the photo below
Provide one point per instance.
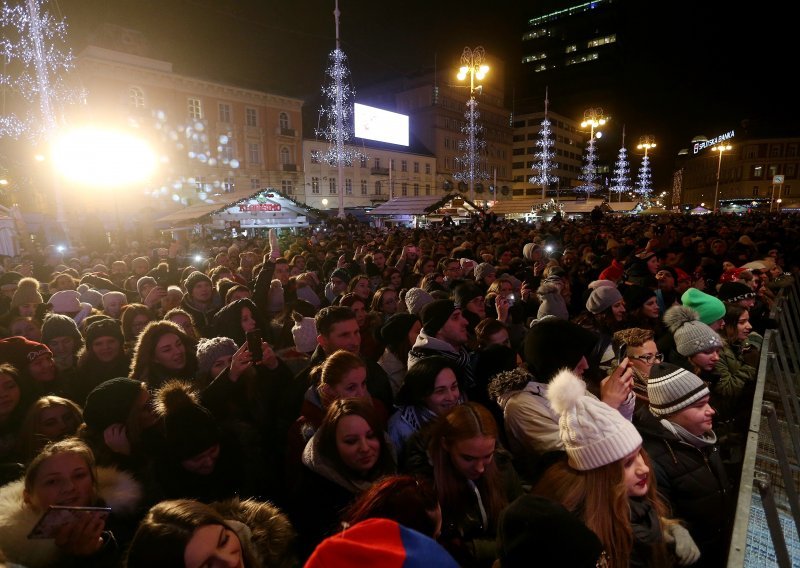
(766, 530)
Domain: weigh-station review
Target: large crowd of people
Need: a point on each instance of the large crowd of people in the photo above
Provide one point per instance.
(491, 393)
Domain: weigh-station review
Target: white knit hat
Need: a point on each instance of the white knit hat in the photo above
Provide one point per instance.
(671, 388)
(109, 297)
(593, 433)
(305, 334)
(66, 301)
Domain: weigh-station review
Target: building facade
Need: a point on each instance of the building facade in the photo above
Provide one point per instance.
(212, 139)
(755, 172)
(377, 173)
(568, 142)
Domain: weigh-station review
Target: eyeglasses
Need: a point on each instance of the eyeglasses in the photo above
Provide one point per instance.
(649, 358)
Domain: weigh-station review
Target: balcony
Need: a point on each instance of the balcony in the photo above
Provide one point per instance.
(289, 167)
(379, 171)
(286, 132)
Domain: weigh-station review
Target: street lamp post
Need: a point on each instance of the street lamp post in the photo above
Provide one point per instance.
(720, 148)
(593, 118)
(646, 142)
(472, 65)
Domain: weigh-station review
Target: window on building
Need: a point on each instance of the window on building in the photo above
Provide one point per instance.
(255, 183)
(348, 186)
(377, 188)
(229, 185)
(791, 150)
(200, 184)
(286, 157)
(314, 157)
(404, 166)
(332, 185)
(283, 121)
(775, 151)
(790, 170)
(224, 112)
(391, 164)
(404, 189)
(427, 189)
(363, 161)
(287, 187)
(751, 152)
(416, 167)
(136, 97)
(773, 170)
(251, 117)
(755, 191)
(254, 152)
(787, 189)
(377, 163)
(757, 172)
(226, 151)
(314, 185)
(416, 189)
(194, 108)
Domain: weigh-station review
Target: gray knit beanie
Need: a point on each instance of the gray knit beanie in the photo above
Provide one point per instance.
(602, 298)
(691, 335)
(417, 298)
(209, 350)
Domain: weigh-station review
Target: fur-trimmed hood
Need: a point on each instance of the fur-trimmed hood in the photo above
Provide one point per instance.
(117, 489)
(263, 528)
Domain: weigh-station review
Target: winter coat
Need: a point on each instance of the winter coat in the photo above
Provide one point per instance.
(263, 529)
(90, 372)
(733, 390)
(321, 495)
(115, 489)
(694, 482)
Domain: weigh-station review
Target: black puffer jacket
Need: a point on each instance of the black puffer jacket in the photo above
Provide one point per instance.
(694, 482)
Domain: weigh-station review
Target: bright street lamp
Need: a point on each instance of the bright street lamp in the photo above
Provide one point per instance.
(472, 65)
(720, 148)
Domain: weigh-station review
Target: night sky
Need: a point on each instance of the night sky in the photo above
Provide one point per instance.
(702, 66)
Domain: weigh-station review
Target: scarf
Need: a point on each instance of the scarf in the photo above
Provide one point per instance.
(699, 442)
(644, 522)
(416, 416)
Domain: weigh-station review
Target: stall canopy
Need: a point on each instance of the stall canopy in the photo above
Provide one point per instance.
(187, 216)
(423, 205)
(518, 207)
(266, 208)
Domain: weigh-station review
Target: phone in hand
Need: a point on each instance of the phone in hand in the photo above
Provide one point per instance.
(254, 345)
(511, 298)
(622, 353)
(57, 517)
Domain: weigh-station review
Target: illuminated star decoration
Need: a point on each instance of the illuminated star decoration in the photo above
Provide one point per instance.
(544, 156)
(471, 146)
(337, 114)
(621, 182)
(589, 175)
(644, 181)
(35, 61)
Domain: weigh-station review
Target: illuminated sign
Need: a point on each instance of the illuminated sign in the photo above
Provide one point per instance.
(260, 207)
(697, 146)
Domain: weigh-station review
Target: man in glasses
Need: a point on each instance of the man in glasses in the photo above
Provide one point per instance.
(642, 352)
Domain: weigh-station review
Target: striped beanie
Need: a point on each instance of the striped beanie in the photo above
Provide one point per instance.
(671, 388)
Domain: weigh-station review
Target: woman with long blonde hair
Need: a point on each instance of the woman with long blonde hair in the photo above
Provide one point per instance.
(474, 480)
(606, 481)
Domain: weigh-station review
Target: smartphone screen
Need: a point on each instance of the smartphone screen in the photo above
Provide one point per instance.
(254, 344)
(56, 517)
